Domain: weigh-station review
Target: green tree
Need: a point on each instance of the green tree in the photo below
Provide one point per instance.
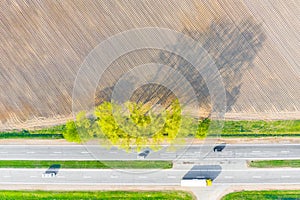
(71, 133)
(137, 125)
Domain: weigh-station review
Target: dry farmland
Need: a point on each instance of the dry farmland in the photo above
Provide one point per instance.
(43, 44)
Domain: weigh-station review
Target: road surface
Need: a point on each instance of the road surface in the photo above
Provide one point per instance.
(192, 153)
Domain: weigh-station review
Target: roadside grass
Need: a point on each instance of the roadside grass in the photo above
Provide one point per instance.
(261, 128)
(55, 132)
(274, 163)
(242, 128)
(264, 195)
(88, 164)
(71, 195)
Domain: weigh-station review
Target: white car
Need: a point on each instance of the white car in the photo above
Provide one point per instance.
(51, 172)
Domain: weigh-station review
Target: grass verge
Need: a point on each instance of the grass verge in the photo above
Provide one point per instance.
(274, 163)
(135, 195)
(242, 128)
(89, 164)
(264, 195)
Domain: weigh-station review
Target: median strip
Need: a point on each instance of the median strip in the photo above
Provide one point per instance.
(88, 164)
(274, 163)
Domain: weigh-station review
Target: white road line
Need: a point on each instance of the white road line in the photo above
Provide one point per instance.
(56, 152)
(255, 151)
(113, 152)
(228, 177)
(33, 176)
(171, 176)
(30, 152)
(4, 152)
(60, 176)
(6, 176)
(285, 176)
(114, 176)
(285, 151)
(84, 152)
(256, 176)
(142, 176)
(87, 177)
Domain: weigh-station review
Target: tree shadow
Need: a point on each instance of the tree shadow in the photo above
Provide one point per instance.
(203, 172)
(232, 46)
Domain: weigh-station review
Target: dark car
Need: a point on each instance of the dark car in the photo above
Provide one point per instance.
(219, 147)
(143, 154)
(51, 171)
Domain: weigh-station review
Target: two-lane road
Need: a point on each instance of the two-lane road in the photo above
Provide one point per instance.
(191, 153)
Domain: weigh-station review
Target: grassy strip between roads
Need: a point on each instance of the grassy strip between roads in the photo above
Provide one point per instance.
(274, 163)
(134, 164)
(264, 195)
(135, 195)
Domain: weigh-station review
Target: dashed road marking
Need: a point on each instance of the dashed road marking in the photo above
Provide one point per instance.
(142, 176)
(285, 176)
(228, 177)
(285, 151)
(256, 176)
(6, 176)
(84, 152)
(114, 176)
(56, 152)
(30, 152)
(87, 177)
(171, 176)
(255, 151)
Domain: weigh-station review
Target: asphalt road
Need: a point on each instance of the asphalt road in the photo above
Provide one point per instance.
(168, 177)
(191, 153)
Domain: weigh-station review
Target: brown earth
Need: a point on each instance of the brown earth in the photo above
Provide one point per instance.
(43, 44)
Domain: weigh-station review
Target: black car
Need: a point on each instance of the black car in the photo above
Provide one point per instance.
(219, 147)
(143, 154)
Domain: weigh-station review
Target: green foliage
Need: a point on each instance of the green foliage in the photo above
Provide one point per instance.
(103, 195)
(88, 164)
(71, 133)
(141, 127)
(274, 163)
(264, 195)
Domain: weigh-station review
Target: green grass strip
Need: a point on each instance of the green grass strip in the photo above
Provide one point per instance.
(134, 164)
(274, 163)
(82, 195)
(264, 195)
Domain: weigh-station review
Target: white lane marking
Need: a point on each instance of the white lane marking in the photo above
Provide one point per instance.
(285, 176)
(285, 151)
(30, 152)
(56, 152)
(87, 177)
(142, 176)
(256, 176)
(228, 177)
(4, 152)
(6, 176)
(171, 176)
(114, 176)
(84, 152)
(113, 152)
(60, 176)
(33, 176)
(255, 151)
